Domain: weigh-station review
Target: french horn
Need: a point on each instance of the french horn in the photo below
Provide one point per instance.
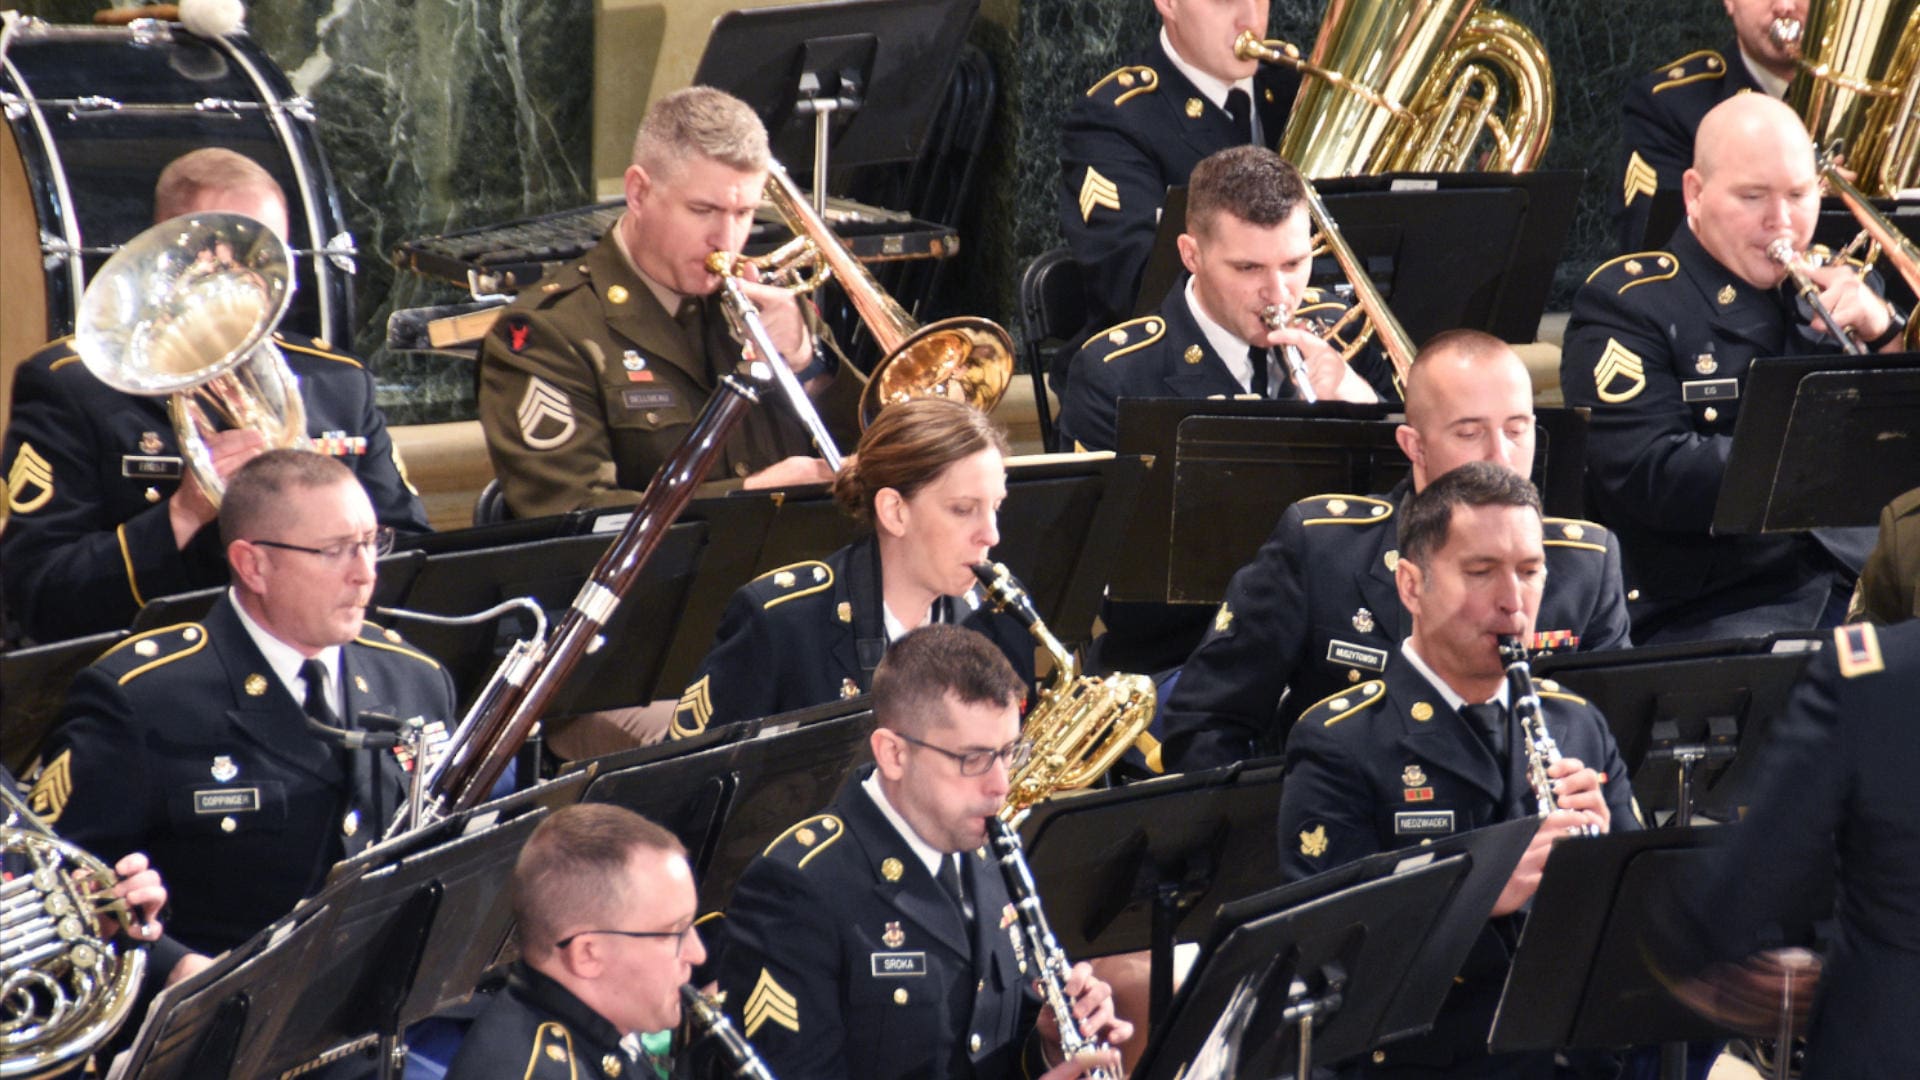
(186, 310)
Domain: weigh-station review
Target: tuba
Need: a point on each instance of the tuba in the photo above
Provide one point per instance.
(1082, 724)
(965, 357)
(64, 989)
(186, 310)
(1856, 85)
(1414, 86)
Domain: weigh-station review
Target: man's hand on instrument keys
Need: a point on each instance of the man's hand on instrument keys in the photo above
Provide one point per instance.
(1092, 1004)
(790, 472)
(780, 314)
(1858, 308)
(1327, 370)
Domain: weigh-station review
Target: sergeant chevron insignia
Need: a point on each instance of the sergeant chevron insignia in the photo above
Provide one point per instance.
(30, 473)
(1097, 190)
(1618, 364)
(53, 788)
(546, 418)
(770, 1002)
(695, 710)
(1641, 178)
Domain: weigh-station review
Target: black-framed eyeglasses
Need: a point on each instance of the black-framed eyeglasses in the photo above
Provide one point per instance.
(679, 945)
(377, 543)
(977, 762)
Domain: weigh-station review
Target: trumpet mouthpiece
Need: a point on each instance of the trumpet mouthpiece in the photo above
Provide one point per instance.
(722, 263)
(1785, 32)
(1781, 251)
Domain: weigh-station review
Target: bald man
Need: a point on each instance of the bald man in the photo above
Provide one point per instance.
(1658, 347)
(1317, 611)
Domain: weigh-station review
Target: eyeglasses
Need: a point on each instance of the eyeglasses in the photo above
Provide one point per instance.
(680, 944)
(977, 762)
(377, 543)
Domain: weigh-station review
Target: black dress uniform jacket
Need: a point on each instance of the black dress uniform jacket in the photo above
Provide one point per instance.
(1658, 348)
(1167, 356)
(587, 385)
(536, 1029)
(1659, 117)
(811, 632)
(1836, 789)
(90, 470)
(182, 743)
(1889, 588)
(845, 959)
(1387, 764)
(1316, 612)
(1132, 135)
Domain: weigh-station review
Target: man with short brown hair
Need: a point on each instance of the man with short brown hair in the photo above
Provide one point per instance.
(591, 378)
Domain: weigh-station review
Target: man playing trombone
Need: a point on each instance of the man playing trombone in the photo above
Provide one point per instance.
(591, 378)
(1242, 322)
(1658, 348)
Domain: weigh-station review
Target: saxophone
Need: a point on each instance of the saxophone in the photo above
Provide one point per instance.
(1542, 751)
(1041, 943)
(707, 1019)
(1081, 725)
(66, 989)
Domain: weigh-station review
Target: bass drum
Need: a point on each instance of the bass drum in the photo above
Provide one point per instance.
(93, 115)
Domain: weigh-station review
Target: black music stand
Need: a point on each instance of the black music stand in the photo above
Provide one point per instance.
(1146, 865)
(1227, 469)
(1343, 961)
(1689, 719)
(33, 690)
(1582, 977)
(1806, 421)
(1445, 250)
(808, 70)
(730, 791)
(620, 673)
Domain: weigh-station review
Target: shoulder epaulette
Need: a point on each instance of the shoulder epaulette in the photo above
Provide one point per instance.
(1344, 510)
(1336, 707)
(791, 582)
(59, 353)
(1123, 338)
(552, 1043)
(1701, 66)
(1640, 268)
(1123, 84)
(1549, 688)
(376, 637)
(141, 653)
(807, 838)
(1573, 533)
(1857, 647)
(318, 348)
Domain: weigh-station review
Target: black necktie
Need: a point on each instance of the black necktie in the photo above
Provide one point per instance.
(1490, 723)
(950, 877)
(315, 673)
(1240, 108)
(1257, 356)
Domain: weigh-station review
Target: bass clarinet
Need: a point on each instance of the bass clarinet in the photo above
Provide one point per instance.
(1041, 943)
(742, 1060)
(1542, 751)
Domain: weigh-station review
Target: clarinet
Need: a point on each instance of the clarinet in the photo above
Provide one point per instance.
(1542, 751)
(1041, 942)
(742, 1060)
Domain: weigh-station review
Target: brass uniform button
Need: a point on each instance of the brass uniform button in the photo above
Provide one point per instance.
(153, 495)
(973, 1044)
(227, 824)
(900, 996)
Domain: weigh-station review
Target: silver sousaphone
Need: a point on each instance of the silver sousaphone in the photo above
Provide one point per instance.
(186, 310)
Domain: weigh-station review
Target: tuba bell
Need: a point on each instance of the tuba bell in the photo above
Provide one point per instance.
(1414, 86)
(185, 310)
(64, 989)
(965, 358)
(1857, 86)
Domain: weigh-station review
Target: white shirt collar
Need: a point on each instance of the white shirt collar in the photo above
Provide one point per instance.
(285, 660)
(1213, 89)
(1225, 344)
(669, 300)
(1454, 701)
(1774, 86)
(921, 849)
(897, 629)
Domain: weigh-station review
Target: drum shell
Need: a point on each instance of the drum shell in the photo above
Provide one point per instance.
(84, 176)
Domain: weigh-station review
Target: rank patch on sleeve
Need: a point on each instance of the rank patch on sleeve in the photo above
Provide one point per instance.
(546, 417)
(770, 1002)
(53, 788)
(1097, 190)
(1620, 375)
(1313, 842)
(1641, 179)
(690, 717)
(29, 482)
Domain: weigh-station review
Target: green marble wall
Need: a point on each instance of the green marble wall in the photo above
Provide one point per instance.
(447, 114)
